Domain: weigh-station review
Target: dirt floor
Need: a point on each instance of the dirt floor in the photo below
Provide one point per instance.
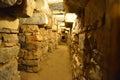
(56, 67)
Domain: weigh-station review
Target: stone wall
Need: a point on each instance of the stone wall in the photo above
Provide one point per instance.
(35, 44)
(30, 52)
(87, 60)
(91, 48)
(77, 52)
(10, 10)
(9, 48)
(35, 38)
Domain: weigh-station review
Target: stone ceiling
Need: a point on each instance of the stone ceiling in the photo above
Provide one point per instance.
(74, 5)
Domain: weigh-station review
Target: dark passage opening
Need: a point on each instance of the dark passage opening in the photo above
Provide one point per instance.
(63, 37)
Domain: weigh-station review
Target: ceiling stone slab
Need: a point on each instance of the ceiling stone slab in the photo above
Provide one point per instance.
(56, 6)
(37, 18)
(74, 5)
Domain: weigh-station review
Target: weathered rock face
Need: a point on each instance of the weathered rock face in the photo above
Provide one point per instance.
(9, 48)
(93, 51)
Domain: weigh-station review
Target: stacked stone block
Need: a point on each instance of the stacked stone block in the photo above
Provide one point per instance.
(9, 48)
(92, 44)
(36, 43)
(30, 53)
(10, 10)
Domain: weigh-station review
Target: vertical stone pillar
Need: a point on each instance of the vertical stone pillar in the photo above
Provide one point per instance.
(31, 44)
(35, 42)
(9, 48)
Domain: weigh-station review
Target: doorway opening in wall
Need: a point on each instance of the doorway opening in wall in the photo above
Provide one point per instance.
(63, 38)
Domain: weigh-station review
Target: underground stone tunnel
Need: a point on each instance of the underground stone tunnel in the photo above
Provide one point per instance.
(59, 39)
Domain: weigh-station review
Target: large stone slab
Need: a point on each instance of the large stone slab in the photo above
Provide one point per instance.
(7, 53)
(7, 22)
(25, 9)
(37, 18)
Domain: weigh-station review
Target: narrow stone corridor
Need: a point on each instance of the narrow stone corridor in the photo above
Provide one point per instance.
(55, 67)
(59, 39)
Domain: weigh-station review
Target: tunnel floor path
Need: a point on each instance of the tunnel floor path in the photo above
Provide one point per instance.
(56, 66)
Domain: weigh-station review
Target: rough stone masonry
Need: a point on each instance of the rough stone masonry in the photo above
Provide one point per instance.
(9, 42)
(97, 41)
(9, 48)
(36, 38)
